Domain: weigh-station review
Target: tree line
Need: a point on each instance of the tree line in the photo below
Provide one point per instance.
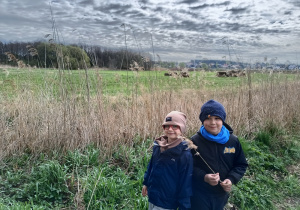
(52, 55)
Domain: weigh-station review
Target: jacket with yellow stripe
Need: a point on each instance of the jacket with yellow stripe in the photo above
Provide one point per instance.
(226, 159)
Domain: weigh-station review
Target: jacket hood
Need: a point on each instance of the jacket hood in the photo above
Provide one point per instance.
(228, 127)
(185, 144)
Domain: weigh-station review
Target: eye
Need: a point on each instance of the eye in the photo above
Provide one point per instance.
(175, 127)
(166, 127)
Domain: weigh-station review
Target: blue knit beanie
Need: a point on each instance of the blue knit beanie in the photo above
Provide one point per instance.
(212, 108)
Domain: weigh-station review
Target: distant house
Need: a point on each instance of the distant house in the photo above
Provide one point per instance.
(293, 67)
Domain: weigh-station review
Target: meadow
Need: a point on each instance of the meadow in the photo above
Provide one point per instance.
(82, 139)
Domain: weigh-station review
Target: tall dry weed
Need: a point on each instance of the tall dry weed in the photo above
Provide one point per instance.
(42, 123)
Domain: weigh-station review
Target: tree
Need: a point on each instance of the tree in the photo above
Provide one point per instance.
(182, 65)
(68, 57)
(204, 66)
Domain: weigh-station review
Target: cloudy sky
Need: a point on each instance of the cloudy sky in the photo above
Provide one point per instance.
(176, 30)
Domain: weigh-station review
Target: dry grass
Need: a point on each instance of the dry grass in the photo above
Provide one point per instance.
(42, 123)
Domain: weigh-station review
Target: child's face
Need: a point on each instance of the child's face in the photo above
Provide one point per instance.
(213, 125)
(172, 131)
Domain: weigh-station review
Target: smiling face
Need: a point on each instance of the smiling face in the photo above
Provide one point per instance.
(213, 125)
(172, 132)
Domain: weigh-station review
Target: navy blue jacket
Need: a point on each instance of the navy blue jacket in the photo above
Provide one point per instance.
(226, 159)
(169, 177)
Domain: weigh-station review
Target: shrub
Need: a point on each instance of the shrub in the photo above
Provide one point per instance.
(48, 184)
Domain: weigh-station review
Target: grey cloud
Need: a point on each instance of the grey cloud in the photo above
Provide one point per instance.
(225, 3)
(143, 4)
(266, 14)
(200, 6)
(235, 26)
(159, 9)
(188, 1)
(59, 13)
(115, 8)
(287, 12)
(259, 44)
(132, 13)
(19, 21)
(295, 3)
(188, 25)
(237, 10)
(108, 22)
(269, 31)
(176, 36)
(143, 1)
(255, 37)
(86, 2)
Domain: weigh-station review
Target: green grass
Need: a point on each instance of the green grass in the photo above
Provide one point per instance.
(111, 82)
(82, 178)
(267, 183)
(48, 182)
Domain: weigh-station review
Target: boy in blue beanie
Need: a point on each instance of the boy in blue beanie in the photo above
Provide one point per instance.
(219, 159)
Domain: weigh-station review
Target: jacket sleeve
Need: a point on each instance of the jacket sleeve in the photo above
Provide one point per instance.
(240, 165)
(185, 180)
(148, 171)
(198, 173)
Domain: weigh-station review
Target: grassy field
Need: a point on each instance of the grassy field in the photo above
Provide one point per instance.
(110, 82)
(82, 140)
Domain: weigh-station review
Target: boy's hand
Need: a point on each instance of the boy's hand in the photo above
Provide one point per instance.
(144, 191)
(226, 184)
(212, 179)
